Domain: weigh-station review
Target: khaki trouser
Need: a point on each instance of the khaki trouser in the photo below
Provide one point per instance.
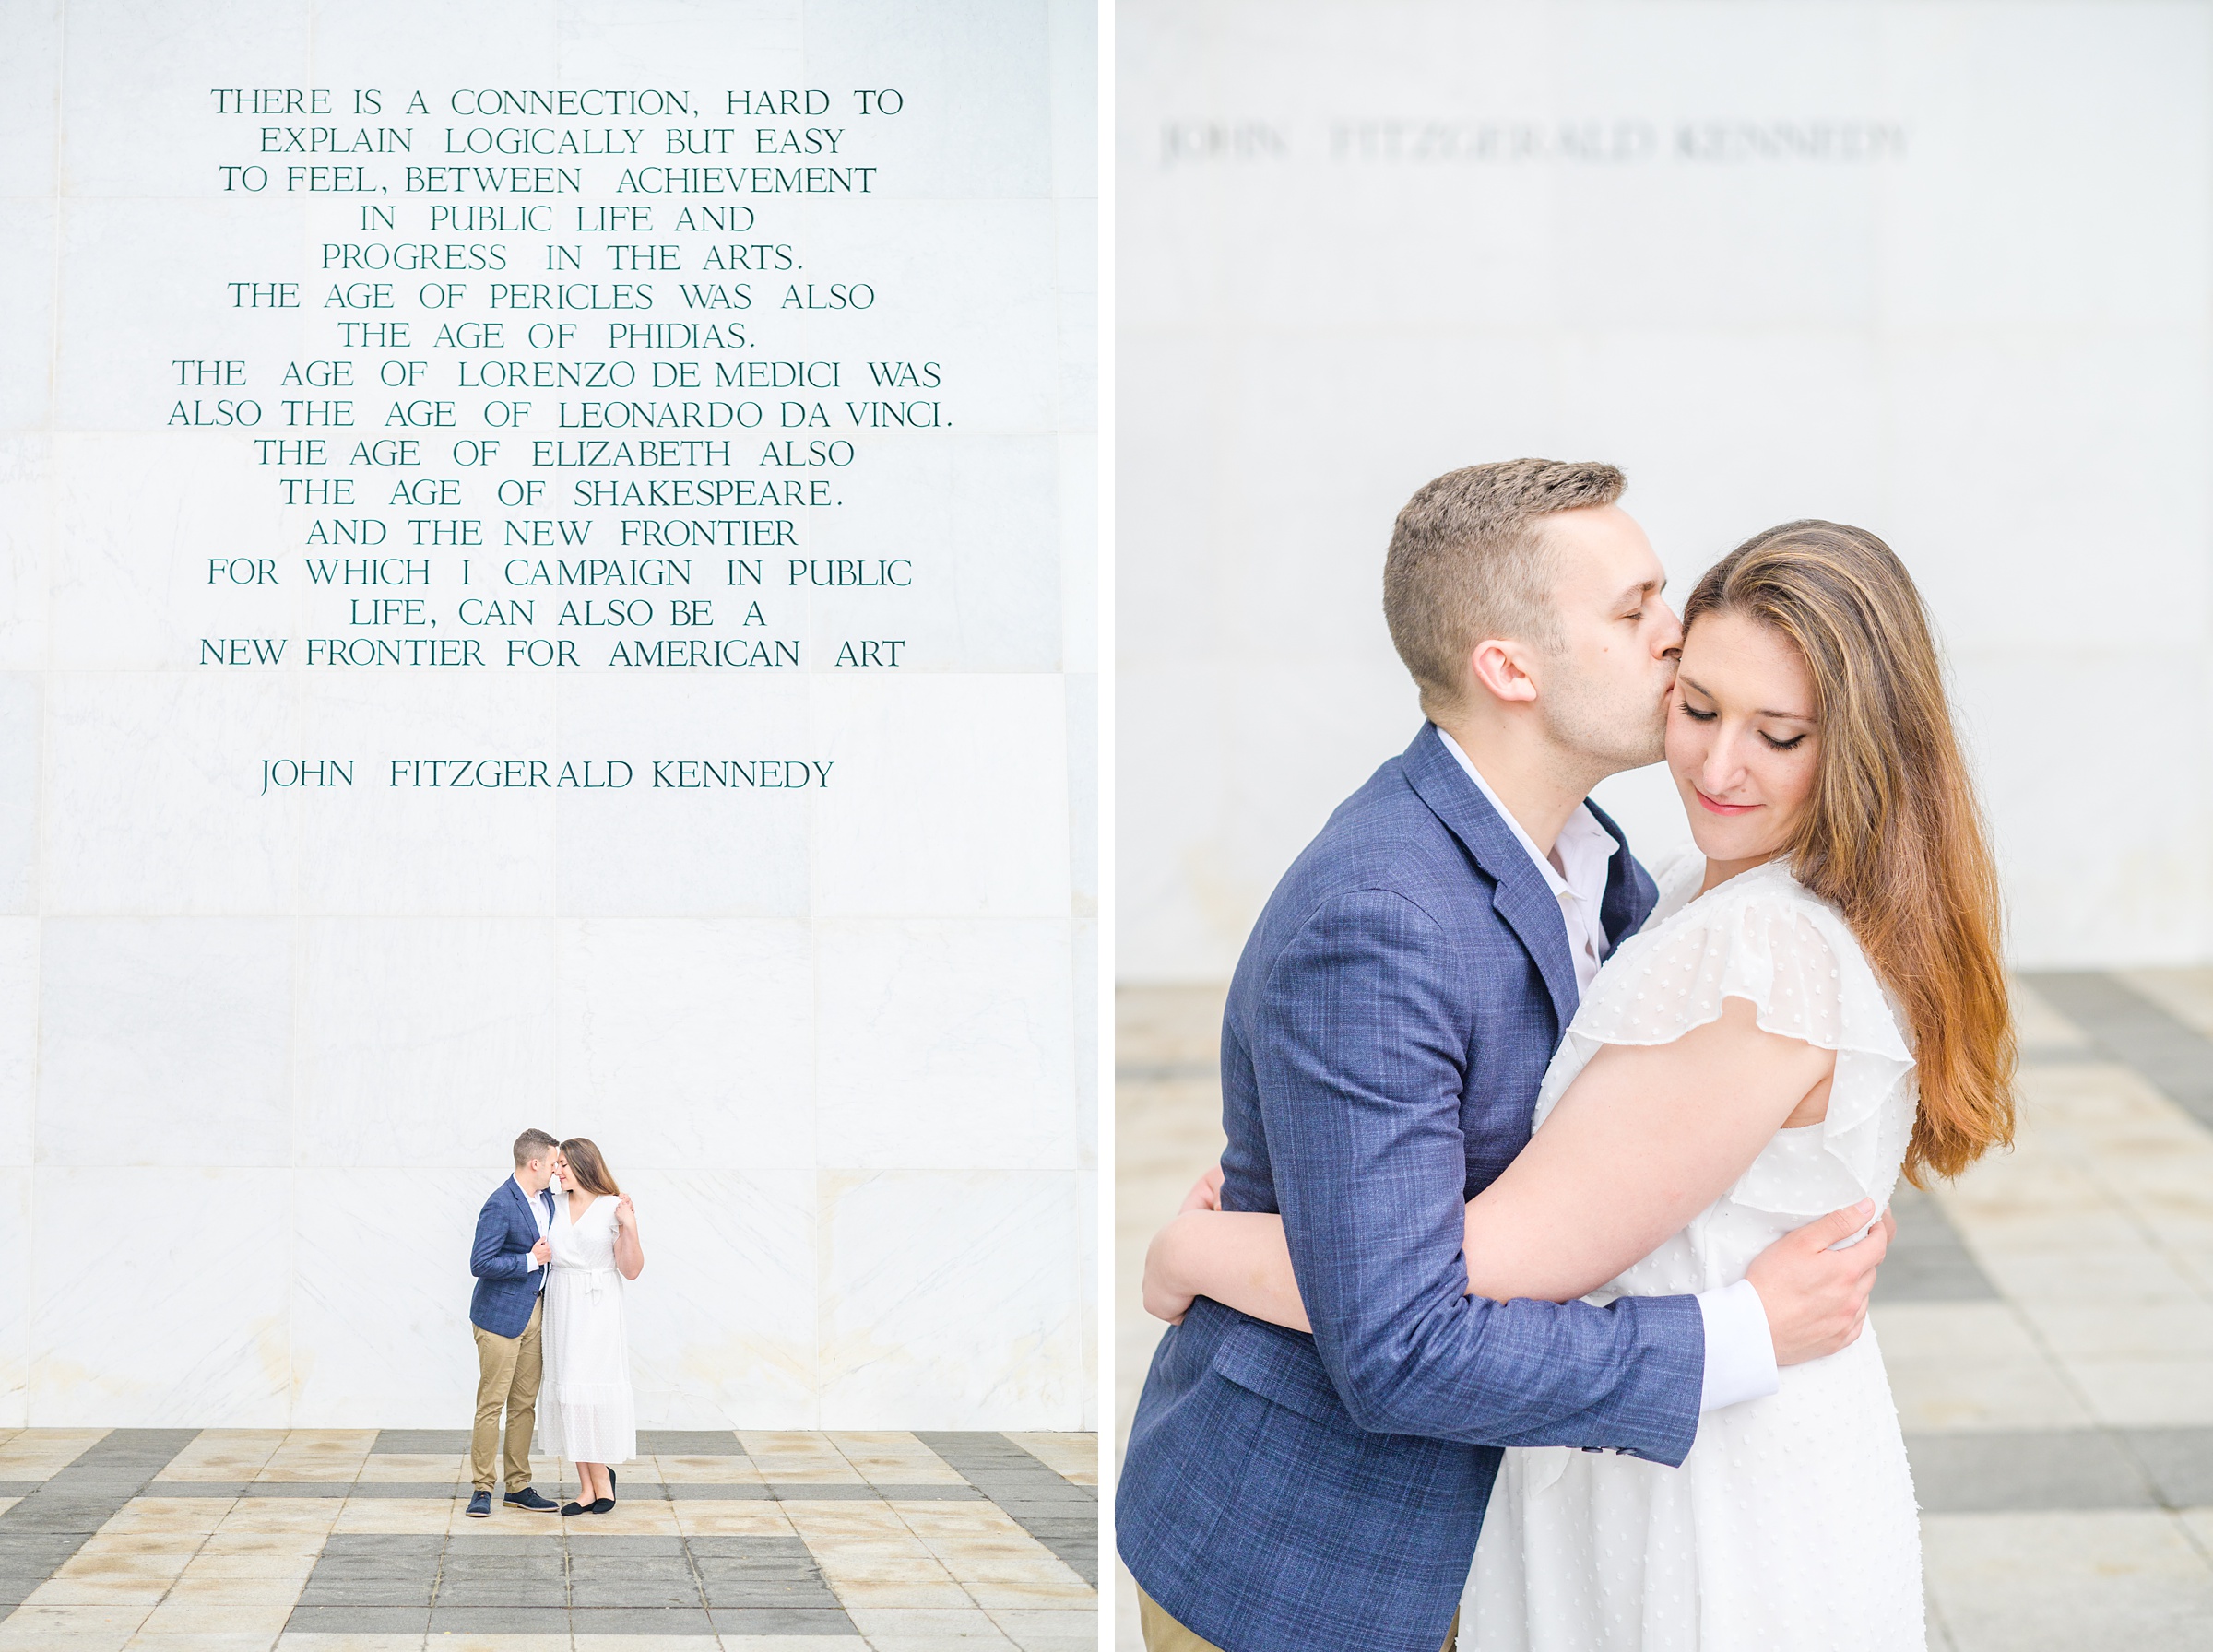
(507, 1374)
(1164, 1634)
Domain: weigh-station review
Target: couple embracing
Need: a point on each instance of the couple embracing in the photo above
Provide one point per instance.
(1527, 1307)
(549, 1306)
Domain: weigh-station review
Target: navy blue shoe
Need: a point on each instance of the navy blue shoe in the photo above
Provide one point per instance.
(527, 1498)
(480, 1506)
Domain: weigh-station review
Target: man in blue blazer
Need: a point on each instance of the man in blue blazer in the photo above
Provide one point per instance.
(509, 1259)
(1386, 1030)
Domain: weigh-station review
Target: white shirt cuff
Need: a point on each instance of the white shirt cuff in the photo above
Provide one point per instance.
(1740, 1350)
(1763, 1322)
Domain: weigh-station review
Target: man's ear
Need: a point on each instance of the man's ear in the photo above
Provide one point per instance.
(1500, 668)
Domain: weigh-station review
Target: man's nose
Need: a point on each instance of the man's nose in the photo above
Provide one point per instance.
(1669, 632)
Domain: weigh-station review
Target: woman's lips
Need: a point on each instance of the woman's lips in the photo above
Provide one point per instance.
(1715, 806)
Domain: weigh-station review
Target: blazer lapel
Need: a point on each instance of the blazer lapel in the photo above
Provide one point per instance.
(1518, 893)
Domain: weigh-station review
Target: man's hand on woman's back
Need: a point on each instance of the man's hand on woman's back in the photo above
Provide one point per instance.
(1815, 1297)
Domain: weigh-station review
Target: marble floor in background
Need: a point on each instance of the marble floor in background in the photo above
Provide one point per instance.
(355, 1541)
(2047, 1320)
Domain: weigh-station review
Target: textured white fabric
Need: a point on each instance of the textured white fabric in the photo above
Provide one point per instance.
(584, 1410)
(1575, 872)
(1791, 1524)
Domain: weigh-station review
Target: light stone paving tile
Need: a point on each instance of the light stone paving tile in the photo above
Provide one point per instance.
(1972, 1332)
(798, 1458)
(884, 1457)
(1073, 1456)
(9, 1502)
(447, 1641)
(2068, 1582)
(126, 1591)
(630, 1517)
(40, 1453)
(169, 1513)
(2140, 1393)
(126, 1543)
(1048, 1630)
(1935, 1395)
(301, 1641)
(2041, 1026)
(213, 1615)
(228, 1567)
(224, 1454)
(401, 1515)
(410, 1466)
(705, 1470)
(2073, 1275)
(708, 1517)
(745, 1643)
(316, 1515)
(2120, 1330)
(321, 1452)
(218, 1641)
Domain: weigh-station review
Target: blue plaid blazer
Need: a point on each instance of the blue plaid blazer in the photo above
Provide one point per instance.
(1387, 1028)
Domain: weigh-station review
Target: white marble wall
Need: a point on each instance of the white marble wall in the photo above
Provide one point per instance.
(261, 1058)
(1991, 348)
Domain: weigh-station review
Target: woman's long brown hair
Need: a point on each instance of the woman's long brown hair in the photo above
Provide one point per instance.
(1892, 837)
(587, 1166)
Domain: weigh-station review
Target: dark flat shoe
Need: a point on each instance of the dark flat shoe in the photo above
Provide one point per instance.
(574, 1509)
(605, 1506)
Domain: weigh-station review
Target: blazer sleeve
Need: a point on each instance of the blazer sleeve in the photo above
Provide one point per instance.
(1361, 1058)
(492, 1256)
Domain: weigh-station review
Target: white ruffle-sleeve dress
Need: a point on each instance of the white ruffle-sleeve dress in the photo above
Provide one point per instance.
(1790, 1526)
(584, 1410)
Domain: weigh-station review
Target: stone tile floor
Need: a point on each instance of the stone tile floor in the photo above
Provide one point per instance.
(2047, 1320)
(355, 1541)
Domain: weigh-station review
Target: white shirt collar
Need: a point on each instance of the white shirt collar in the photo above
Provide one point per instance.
(1584, 846)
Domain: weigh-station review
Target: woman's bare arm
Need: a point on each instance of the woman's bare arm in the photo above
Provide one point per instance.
(1646, 1137)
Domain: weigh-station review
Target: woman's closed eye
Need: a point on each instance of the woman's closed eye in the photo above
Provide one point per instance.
(1790, 744)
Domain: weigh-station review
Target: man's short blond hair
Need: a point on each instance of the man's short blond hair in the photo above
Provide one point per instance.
(1469, 560)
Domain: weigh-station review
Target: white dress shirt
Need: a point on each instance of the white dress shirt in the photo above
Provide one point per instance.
(1739, 1350)
(545, 1225)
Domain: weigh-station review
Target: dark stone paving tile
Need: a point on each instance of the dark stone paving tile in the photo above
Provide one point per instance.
(20, 1488)
(420, 1548)
(776, 1620)
(591, 1549)
(678, 1491)
(1035, 1497)
(358, 1620)
(639, 1593)
(732, 1546)
(889, 1493)
(2180, 1461)
(2057, 1468)
(548, 1543)
(1927, 1261)
(302, 1488)
(689, 1442)
(194, 1488)
(393, 1442)
(504, 1593)
(2174, 1056)
(499, 1619)
(724, 1595)
(368, 1591)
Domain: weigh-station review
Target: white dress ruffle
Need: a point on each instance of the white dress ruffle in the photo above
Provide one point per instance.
(1792, 1524)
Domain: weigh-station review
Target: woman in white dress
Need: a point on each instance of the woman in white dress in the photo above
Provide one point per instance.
(584, 1410)
(1816, 1004)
